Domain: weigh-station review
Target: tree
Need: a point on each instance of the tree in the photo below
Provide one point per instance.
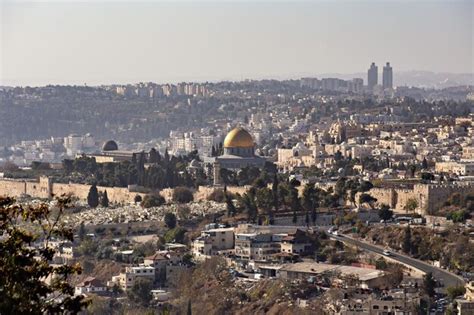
(310, 201)
(411, 205)
(424, 164)
(182, 195)
(189, 312)
(368, 199)
(93, 197)
(385, 213)
(154, 156)
(455, 291)
(426, 176)
(104, 201)
(170, 220)
(429, 284)
(140, 292)
(412, 169)
(406, 245)
(276, 204)
(264, 199)
(153, 200)
(175, 235)
(24, 267)
(82, 232)
(231, 211)
(247, 202)
(137, 199)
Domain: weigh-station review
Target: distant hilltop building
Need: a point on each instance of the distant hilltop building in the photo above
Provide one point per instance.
(355, 85)
(150, 90)
(387, 76)
(372, 76)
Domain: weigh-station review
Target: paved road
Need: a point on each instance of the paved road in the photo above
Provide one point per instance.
(447, 278)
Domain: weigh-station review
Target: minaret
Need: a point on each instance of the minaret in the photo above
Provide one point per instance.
(217, 174)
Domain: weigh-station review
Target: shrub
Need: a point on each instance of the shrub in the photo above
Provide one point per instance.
(217, 196)
(182, 195)
(170, 220)
(153, 200)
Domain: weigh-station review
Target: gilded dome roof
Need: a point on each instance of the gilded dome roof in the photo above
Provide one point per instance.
(238, 138)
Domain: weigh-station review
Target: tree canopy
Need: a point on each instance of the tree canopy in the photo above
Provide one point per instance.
(24, 266)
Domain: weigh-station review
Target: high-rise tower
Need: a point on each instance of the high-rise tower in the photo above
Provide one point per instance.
(372, 76)
(387, 76)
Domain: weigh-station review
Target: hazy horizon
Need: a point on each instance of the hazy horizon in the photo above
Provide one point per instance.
(124, 42)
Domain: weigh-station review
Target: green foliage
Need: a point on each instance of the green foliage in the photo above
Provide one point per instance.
(381, 264)
(104, 201)
(23, 289)
(217, 195)
(93, 197)
(153, 200)
(137, 199)
(189, 311)
(82, 232)
(429, 284)
(458, 216)
(170, 220)
(168, 172)
(36, 165)
(385, 213)
(407, 243)
(231, 210)
(411, 205)
(88, 247)
(368, 199)
(427, 176)
(248, 203)
(140, 292)
(310, 201)
(182, 195)
(264, 199)
(455, 291)
(175, 235)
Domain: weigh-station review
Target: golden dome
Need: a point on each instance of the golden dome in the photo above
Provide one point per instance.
(238, 138)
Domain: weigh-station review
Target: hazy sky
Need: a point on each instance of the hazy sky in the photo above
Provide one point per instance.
(124, 41)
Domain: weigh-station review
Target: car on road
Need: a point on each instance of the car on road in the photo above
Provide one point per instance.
(386, 252)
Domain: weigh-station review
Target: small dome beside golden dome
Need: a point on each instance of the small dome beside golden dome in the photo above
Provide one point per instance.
(238, 138)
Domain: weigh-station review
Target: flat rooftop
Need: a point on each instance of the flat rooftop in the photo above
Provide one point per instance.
(364, 274)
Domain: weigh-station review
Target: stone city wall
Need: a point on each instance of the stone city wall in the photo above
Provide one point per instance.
(429, 197)
(44, 188)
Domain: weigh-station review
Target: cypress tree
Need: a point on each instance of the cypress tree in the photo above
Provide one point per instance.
(275, 192)
(230, 205)
(153, 156)
(93, 197)
(189, 308)
(82, 232)
(406, 245)
(104, 202)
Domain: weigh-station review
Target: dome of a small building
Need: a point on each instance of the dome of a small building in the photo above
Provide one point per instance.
(110, 145)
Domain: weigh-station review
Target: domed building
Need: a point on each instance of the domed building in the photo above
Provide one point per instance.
(239, 151)
(110, 145)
